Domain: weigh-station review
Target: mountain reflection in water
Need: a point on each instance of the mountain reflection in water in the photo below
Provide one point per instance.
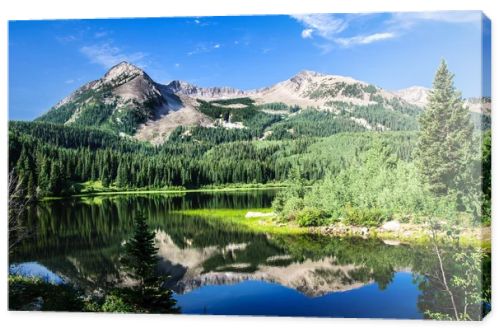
(214, 267)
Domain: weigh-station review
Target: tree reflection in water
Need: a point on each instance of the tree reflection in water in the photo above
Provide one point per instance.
(82, 241)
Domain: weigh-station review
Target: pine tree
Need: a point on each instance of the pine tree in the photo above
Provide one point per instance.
(298, 182)
(141, 260)
(122, 175)
(55, 182)
(31, 188)
(446, 151)
(43, 176)
(140, 250)
(25, 168)
(105, 176)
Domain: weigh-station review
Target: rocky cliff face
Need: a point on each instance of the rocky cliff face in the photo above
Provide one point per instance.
(185, 88)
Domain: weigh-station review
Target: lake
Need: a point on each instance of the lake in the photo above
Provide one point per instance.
(215, 267)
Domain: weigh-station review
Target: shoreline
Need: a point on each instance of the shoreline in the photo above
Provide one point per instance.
(166, 191)
(407, 234)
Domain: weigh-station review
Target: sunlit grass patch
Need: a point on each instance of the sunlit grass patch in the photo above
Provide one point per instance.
(265, 224)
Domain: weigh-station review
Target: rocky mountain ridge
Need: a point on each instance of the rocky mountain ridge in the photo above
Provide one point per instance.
(127, 101)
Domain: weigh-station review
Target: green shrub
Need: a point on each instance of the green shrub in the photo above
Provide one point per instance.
(371, 217)
(311, 217)
(279, 202)
(292, 207)
(116, 304)
(26, 292)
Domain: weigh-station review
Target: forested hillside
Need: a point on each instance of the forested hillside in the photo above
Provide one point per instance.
(54, 159)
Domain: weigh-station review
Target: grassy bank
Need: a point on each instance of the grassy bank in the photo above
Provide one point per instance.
(255, 224)
(409, 233)
(468, 237)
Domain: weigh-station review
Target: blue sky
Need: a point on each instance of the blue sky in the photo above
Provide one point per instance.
(50, 59)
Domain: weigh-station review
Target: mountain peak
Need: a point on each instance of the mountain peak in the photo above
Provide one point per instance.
(180, 84)
(122, 70)
(415, 88)
(125, 65)
(416, 95)
(182, 87)
(307, 74)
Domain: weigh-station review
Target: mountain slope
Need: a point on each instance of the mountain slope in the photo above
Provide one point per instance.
(313, 89)
(182, 111)
(305, 89)
(121, 100)
(418, 96)
(127, 101)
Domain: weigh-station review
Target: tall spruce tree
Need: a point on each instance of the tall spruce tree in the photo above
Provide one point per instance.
(140, 252)
(446, 150)
(141, 260)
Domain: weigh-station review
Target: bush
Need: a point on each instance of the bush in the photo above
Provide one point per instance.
(279, 202)
(292, 208)
(364, 217)
(311, 217)
(116, 304)
(31, 293)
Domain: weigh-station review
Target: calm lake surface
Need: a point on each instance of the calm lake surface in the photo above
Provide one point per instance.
(218, 268)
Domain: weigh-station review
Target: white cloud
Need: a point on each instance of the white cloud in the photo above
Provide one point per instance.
(365, 39)
(200, 22)
(408, 19)
(325, 25)
(404, 21)
(108, 55)
(204, 48)
(332, 28)
(307, 33)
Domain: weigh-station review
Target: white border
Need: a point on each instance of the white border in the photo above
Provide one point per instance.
(11, 322)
